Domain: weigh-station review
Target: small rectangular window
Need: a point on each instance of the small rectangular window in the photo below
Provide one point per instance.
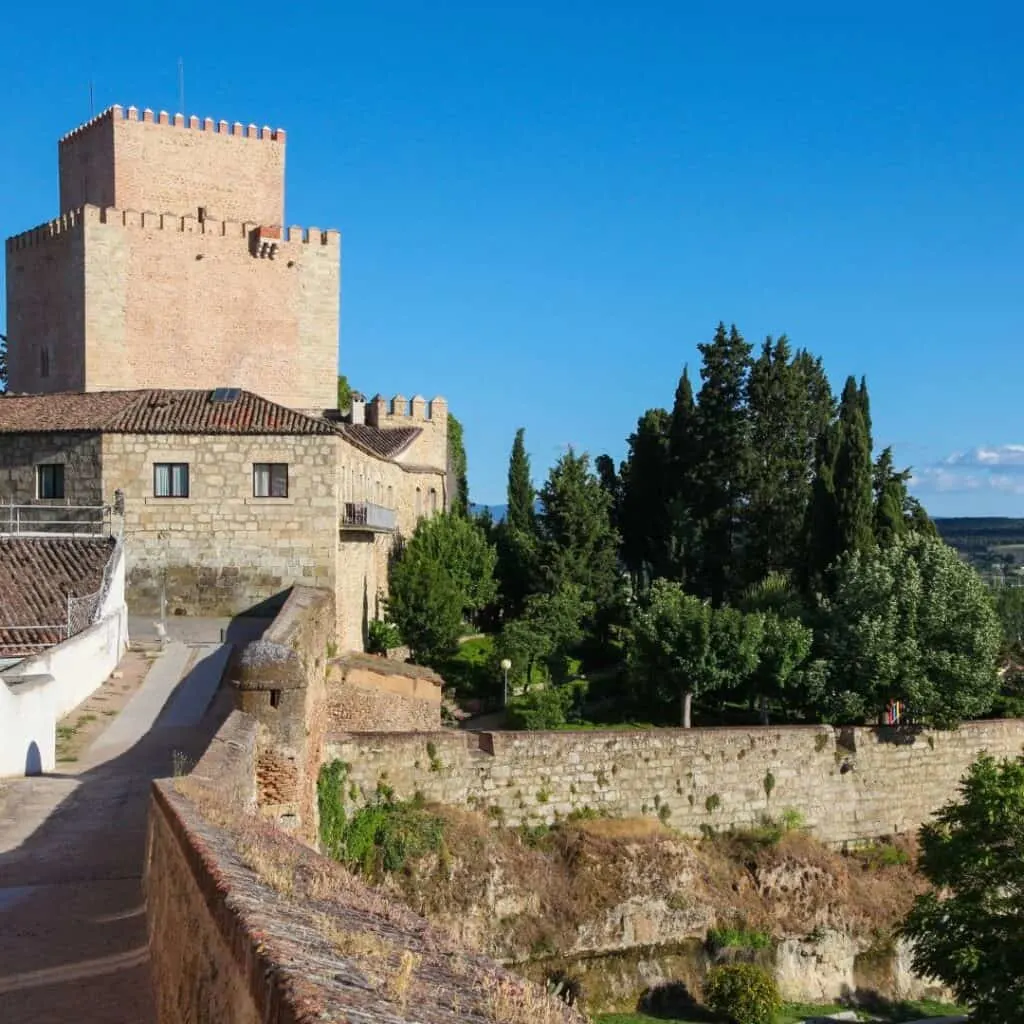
(170, 480)
(50, 481)
(270, 480)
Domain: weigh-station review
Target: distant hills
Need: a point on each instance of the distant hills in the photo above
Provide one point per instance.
(993, 545)
(498, 512)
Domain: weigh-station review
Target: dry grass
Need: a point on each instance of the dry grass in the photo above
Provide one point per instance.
(347, 942)
(623, 828)
(510, 1002)
(400, 981)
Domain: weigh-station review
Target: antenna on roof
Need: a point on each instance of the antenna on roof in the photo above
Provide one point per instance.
(181, 85)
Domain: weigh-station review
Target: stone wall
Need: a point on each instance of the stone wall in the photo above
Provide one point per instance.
(223, 312)
(79, 454)
(46, 308)
(221, 551)
(248, 925)
(146, 161)
(366, 693)
(281, 681)
(849, 784)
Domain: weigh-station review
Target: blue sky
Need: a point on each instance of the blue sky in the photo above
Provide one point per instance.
(546, 206)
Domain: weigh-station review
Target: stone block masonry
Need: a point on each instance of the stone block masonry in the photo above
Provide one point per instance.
(367, 692)
(158, 162)
(849, 784)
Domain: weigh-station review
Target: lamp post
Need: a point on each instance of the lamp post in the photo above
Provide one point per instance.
(505, 666)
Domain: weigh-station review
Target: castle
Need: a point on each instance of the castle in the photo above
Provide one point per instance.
(172, 353)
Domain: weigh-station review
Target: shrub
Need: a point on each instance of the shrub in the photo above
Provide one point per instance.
(382, 636)
(737, 937)
(742, 993)
(540, 709)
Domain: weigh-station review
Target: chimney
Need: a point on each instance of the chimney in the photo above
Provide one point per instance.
(358, 411)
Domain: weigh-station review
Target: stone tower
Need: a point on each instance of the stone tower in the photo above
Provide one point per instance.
(169, 267)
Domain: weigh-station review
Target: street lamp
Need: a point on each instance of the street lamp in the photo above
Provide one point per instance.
(505, 666)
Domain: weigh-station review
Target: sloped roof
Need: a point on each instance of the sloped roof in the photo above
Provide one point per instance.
(153, 411)
(384, 442)
(37, 574)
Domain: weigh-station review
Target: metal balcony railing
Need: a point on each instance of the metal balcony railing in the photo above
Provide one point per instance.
(364, 515)
(55, 520)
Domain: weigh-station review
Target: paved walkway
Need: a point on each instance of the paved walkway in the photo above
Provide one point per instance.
(72, 919)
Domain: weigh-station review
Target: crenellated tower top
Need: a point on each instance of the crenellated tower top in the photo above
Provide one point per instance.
(167, 163)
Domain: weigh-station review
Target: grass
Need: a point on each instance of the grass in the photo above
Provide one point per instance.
(792, 1013)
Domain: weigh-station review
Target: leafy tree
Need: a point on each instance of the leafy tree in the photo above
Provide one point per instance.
(785, 647)
(443, 574)
(645, 508)
(458, 481)
(854, 472)
(774, 595)
(577, 544)
(344, 394)
(969, 930)
(679, 647)
(550, 626)
(913, 623)
(1009, 603)
(724, 460)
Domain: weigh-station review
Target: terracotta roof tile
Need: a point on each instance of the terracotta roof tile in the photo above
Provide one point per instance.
(37, 574)
(382, 442)
(153, 411)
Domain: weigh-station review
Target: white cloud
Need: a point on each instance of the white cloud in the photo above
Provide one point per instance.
(1004, 456)
(955, 478)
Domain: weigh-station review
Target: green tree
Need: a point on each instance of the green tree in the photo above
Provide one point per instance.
(912, 623)
(458, 480)
(344, 394)
(546, 632)
(789, 402)
(577, 543)
(854, 472)
(516, 536)
(679, 647)
(724, 461)
(442, 575)
(1009, 604)
(683, 465)
(890, 489)
(521, 495)
(645, 507)
(968, 931)
(785, 647)
(823, 543)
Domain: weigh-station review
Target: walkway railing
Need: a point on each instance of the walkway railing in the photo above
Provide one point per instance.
(55, 520)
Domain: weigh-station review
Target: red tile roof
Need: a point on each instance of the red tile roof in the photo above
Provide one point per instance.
(385, 443)
(37, 574)
(152, 411)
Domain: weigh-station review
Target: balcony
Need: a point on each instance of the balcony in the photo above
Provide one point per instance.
(365, 517)
(55, 520)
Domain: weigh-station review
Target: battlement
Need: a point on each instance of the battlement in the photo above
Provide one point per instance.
(118, 113)
(59, 227)
(400, 411)
(262, 238)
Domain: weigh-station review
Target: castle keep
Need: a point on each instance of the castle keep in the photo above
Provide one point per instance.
(172, 347)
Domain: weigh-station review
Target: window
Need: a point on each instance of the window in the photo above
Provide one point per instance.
(44, 362)
(270, 480)
(170, 480)
(50, 481)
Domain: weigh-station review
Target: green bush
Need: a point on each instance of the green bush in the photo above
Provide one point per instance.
(742, 993)
(382, 636)
(540, 709)
(737, 937)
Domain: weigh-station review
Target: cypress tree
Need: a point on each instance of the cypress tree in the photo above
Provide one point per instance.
(644, 520)
(683, 490)
(890, 498)
(822, 545)
(458, 479)
(854, 473)
(520, 494)
(723, 471)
